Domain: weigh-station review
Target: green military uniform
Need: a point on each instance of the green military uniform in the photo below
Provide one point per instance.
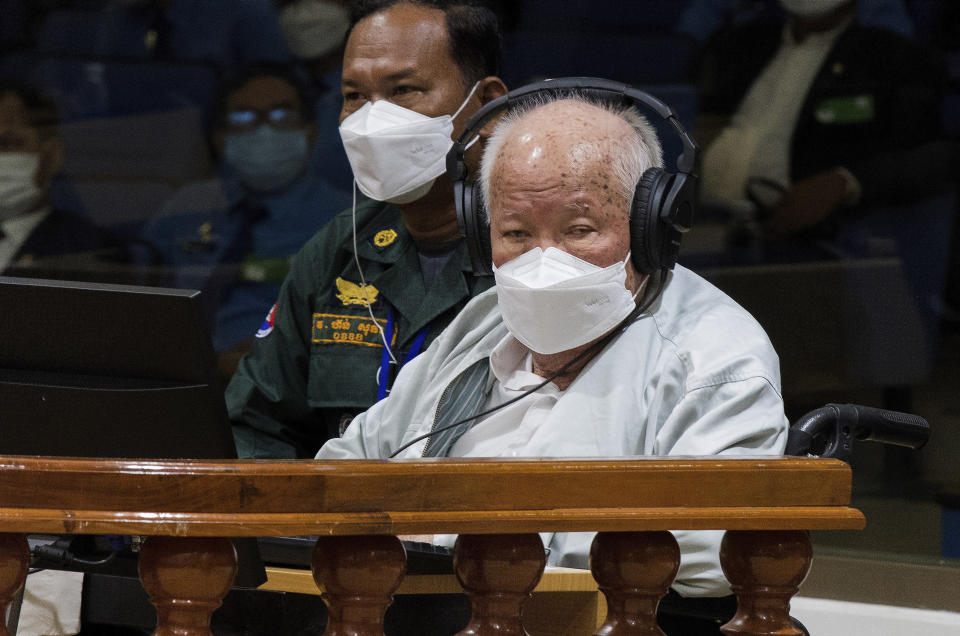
(314, 363)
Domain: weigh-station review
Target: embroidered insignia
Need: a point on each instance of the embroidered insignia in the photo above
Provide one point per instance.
(341, 329)
(353, 294)
(384, 237)
(268, 323)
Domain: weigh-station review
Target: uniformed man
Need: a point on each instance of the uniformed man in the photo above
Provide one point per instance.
(393, 269)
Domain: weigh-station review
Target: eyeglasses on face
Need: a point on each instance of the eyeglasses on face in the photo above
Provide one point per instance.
(281, 117)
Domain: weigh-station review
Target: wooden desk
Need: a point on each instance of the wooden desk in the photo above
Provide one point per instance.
(565, 601)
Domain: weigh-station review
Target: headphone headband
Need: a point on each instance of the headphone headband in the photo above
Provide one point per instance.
(663, 203)
(597, 86)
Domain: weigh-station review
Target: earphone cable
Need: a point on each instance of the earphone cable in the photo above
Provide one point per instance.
(363, 281)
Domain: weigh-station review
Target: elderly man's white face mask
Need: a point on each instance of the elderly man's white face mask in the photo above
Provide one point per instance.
(552, 301)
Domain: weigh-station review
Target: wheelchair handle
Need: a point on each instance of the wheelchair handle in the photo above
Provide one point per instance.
(834, 427)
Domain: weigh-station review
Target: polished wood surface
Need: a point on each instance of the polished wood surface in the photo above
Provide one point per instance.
(765, 570)
(358, 576)
(496, 506)
(186, 579)
(261, 498)
(634, 570)
(565, 600)
(498, 572)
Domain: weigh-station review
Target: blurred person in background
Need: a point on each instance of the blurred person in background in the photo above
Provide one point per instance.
(226, 33)
(701, 18)
(233, 236)
(821, 119)
(37, 239)
(315, 32)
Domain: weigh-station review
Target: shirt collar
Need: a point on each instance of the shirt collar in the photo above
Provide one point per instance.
(512, 364)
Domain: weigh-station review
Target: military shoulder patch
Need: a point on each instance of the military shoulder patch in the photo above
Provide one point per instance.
(268, 323)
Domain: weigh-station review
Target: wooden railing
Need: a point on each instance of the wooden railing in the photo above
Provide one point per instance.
(187, 509)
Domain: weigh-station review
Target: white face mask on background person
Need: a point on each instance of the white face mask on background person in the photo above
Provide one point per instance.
(552, 301)
(396, 153)
(19, 193)
(811, 8)
(313, 28)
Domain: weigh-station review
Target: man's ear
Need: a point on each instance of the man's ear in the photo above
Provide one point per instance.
(490, 89)
(51, 160)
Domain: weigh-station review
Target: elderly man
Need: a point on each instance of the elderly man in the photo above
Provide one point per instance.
(393, 269)
(690, 374)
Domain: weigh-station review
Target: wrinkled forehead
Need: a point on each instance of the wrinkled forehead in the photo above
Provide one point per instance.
(564, 139)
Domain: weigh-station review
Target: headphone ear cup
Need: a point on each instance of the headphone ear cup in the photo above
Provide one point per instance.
(479, 211)
(646, 230)
(474, 225)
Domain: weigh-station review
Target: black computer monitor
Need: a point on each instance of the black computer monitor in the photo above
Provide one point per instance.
(100, 370)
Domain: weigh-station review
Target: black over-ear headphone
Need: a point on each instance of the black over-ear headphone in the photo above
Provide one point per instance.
(663, 203)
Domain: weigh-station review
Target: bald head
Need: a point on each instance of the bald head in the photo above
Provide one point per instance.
(578, 144)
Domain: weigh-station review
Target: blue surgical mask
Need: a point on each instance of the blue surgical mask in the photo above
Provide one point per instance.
(266, 159)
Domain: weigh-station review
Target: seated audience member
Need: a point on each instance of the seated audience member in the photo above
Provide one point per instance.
(393, 269)
(824, 118)
(701, 18)
(37, 240)
(232, 237)
(315, 31)
(226, 33)
(579, 349)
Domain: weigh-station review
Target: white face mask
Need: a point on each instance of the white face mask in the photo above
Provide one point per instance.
(811, 8)
(313, 28)
(552, 301)
(396, 154)
(19, 192)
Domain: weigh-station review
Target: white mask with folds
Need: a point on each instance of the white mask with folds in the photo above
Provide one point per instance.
(396, 153)
(552, 301)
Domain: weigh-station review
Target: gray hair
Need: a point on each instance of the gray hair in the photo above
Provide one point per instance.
(632, 157)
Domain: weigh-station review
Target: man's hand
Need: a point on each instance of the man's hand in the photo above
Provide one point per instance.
(806, 203)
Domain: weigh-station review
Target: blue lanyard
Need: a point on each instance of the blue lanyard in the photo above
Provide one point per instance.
(384, 377)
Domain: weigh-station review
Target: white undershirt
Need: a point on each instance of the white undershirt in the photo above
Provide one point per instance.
(757, 141)
(505, 432)
(17, 230)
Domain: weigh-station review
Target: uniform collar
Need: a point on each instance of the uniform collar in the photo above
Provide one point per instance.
(384, 239)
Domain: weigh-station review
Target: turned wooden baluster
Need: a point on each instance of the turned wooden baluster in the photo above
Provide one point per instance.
(14, 561)
(765, 569)
(498, 572)
(634, 570)
(186, 579)
(358, 576)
